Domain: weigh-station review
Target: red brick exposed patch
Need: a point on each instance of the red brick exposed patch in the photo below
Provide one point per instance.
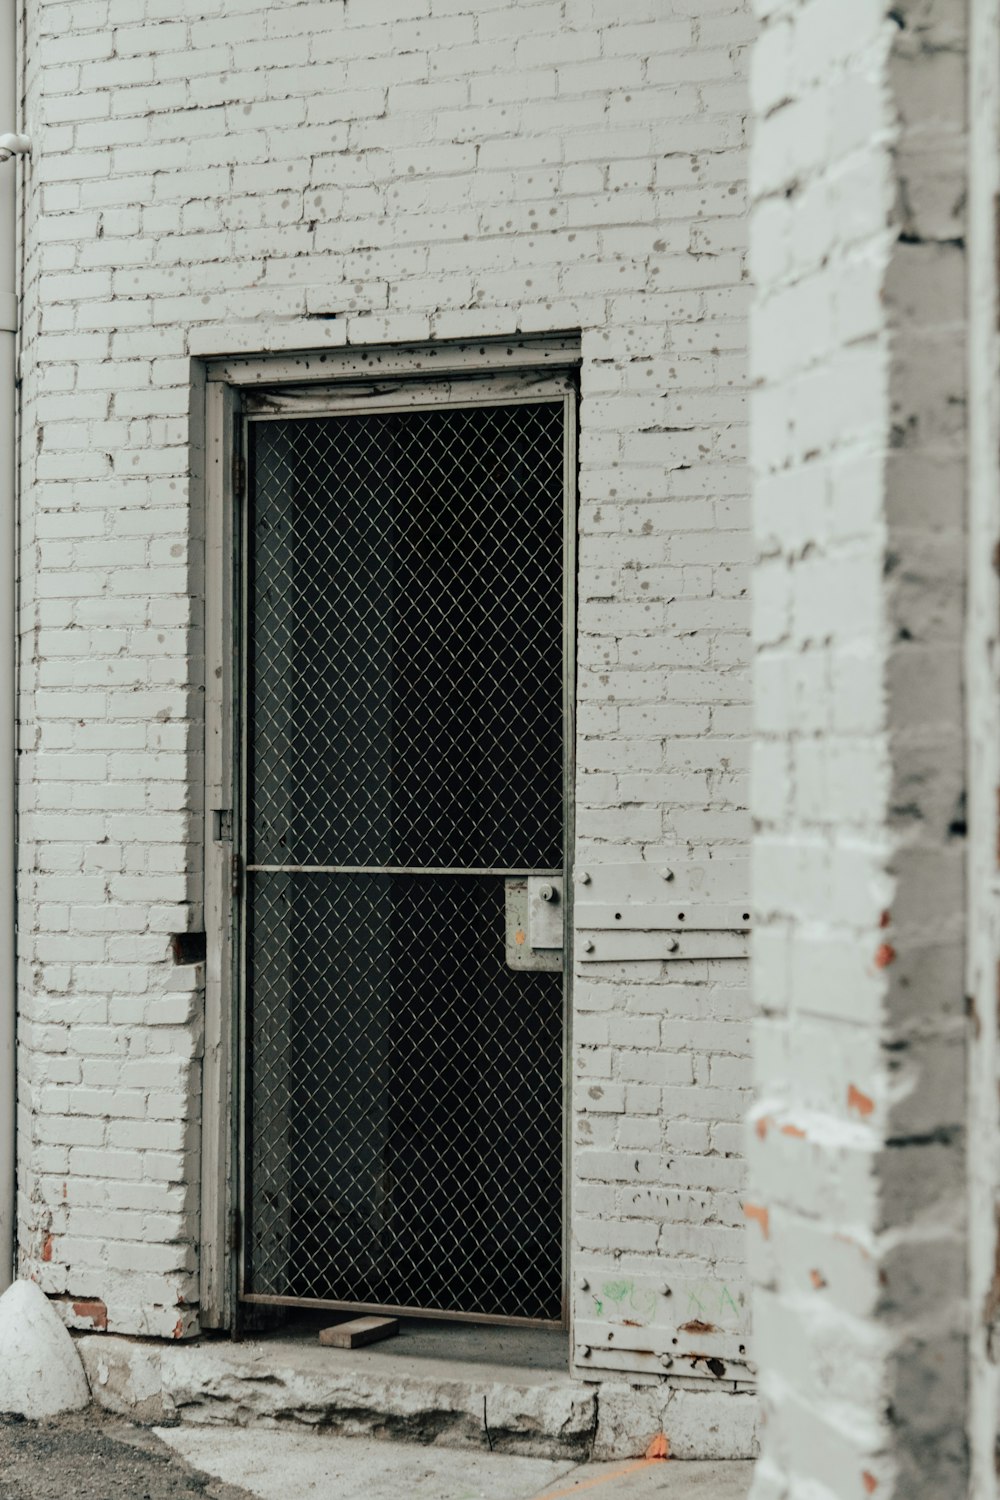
(885, 919)
(885, 955)
(794, 1131)
(859, 1101)
(870, 1483)
(818, 1280)
(659, 1447)
(178, 1332)
(760, 1216)
(94, 1309)
(47, 1247)
(762, 1126)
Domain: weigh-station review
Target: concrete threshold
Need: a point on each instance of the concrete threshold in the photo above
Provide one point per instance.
(498, 1390)
(484, 1389)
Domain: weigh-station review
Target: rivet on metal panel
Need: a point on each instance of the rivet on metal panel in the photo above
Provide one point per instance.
(666, 1291)
(582, 877)
(672, 945)
(583, 1284)
(585, 1352)
(666, 1360)
(588, 946)
(667, 874)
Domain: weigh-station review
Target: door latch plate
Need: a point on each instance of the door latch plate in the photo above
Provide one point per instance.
(523, 951)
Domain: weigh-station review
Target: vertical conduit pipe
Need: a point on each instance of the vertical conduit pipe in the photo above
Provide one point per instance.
(8, 410)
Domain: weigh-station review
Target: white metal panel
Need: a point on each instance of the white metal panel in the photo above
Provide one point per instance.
(718, 878)
(596, 946)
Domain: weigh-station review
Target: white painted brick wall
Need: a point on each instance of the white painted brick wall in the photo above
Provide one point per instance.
(227, 174)
(983, 719)
(856, 1200)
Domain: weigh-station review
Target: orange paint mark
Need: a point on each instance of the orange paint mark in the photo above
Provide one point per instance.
(591, 1484)
(519, 937)
(760, 1216)
(794, 1131)
(818, 1280)
(870, 1483)
(885, 956)
(762, 1126)
(885, 919)
(859, 1101)
(659, 1447)
(47, 1247)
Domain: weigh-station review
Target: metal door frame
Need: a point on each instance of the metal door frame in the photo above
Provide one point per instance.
(332, 383)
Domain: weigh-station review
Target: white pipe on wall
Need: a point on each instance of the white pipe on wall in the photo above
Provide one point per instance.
(8, 413)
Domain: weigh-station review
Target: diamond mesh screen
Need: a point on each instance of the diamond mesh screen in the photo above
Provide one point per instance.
(405, 676)
(407, 639)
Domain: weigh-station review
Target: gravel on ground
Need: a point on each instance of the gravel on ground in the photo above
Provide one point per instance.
(91, 1455)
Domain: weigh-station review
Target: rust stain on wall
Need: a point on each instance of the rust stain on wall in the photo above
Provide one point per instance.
(863, 1103)
(760, 1216)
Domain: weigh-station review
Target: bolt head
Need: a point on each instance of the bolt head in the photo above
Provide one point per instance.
(666, 874)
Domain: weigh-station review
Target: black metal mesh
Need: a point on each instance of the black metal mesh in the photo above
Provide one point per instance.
(406, 1088)
(407, 639)
(405, 651)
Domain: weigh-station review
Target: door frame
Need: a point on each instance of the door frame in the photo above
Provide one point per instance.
(363, 377)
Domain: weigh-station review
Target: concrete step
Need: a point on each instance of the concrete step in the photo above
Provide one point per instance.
(512, 1409)
(487, 1390)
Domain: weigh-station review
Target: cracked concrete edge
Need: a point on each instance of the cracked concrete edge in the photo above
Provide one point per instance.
(224, 1385)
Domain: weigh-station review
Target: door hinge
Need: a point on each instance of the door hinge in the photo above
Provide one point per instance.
(239, 476)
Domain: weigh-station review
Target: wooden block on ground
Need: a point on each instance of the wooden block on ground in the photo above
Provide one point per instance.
(358, 1331)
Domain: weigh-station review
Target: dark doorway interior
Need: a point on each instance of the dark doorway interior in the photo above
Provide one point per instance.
(404, 667)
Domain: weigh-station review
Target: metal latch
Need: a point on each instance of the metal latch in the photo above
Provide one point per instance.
(545, 911)
(534, 921)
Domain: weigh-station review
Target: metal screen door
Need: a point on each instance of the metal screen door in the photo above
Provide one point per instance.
(404, 712)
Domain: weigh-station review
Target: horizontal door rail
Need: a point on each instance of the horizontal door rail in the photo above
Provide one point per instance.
(387, 870)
